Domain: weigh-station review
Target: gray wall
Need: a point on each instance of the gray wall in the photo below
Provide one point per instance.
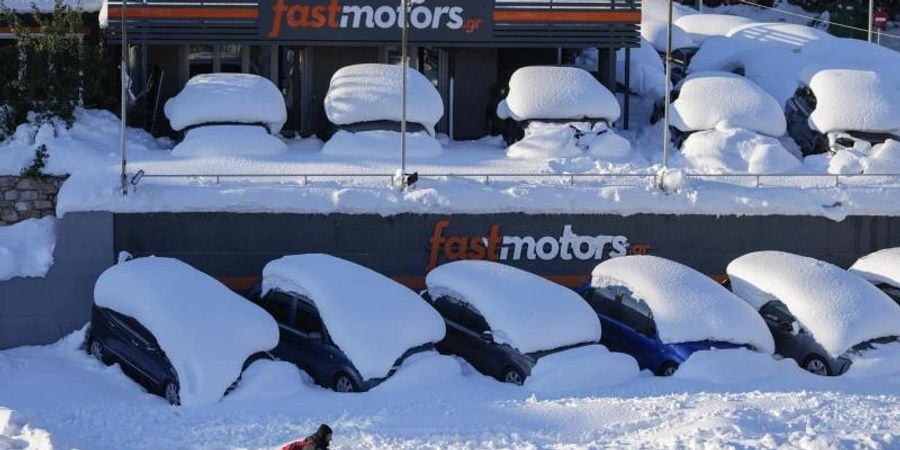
(42, 310)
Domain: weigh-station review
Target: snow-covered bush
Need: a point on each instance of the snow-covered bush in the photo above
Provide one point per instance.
(708, 100)
(549, 92)
(227, 98)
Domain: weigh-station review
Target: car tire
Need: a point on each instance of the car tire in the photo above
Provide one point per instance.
(667, 369)
(513, 375)
(97, 351)
(817, 365)
(344, 384)
(170, 392)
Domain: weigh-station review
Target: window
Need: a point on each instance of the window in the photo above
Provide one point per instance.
(603, 300)
(777, 312)
(260, 60)
(279, 305)
(308, 319)
(134, 327)
(200, 59)
(473, 320)
(891, 291)
(448, 308)
(230, 58)
(288, 77)
(637, 315)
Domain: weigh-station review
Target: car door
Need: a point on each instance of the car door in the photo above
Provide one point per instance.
(640, 334)
(608, 306)
(281, 307)
(482, 353)
(785, 330)
(132, 347)
(310, 344)
(151, 358)
(450, 309)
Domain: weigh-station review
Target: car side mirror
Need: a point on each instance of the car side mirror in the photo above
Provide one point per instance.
(487, 336)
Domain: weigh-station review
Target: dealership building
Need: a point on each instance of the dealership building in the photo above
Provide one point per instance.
(466, 48)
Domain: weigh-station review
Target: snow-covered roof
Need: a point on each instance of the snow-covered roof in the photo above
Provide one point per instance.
(838, 308)
(882, 266)
(708, 100)
(381, 144)
(687, 305)
(206, 330)
(656, 33)
(46, 6)
(525, 311)
(735, 150)
(853, 100)
(373, 319)
(227, 97)
(229, 140)
(550, 92)
(372, 92)
(701, 26)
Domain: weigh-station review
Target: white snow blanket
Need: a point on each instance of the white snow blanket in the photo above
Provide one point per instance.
(547, 140)
(648, 77)
(699, 27)
(372, 92)
(884, 158)
(864, 157)
(586, 367)
(206, 330)
(357, 306)
(853, 100)
(549, 92)
(737, 366)
(26, 248)
(525, 311)
(228, 140)
(381, 144)
(227, 97)
(656, 33)
(882, 266)
(838, 308)
(708, 100)
(659, 10)
(882, 360)
(687, 305)
(778, 34)
(735, 150)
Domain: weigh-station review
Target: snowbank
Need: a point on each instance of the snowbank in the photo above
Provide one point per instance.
(839, 309)
(228, 140)
(699, 27)
(525, 311)
(853, 99)
(580, 369)
(358, 307)
(381, 144)
(206, 330)
(735, 150)
(882, 360)
(371, 92)
(687, 306)
(26, 248)
(270, 380)
(648, 77)
(656, 33)
(548, 92)
(882, 266)
(227, 97)
(546, 140)
(710, 100)
(885, 158)
(736, 366)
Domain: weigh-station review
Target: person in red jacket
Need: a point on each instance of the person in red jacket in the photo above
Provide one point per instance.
(320, 440)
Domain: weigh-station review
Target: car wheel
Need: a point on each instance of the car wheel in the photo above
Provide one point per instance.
(95, 349)
(170, 393)
(817, 365)
(667, 369)
(343, 383)
(513, 375)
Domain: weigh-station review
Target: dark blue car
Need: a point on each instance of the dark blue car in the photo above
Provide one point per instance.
(628, 327)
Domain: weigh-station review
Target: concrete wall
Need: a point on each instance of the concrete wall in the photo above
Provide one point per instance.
(41, 310)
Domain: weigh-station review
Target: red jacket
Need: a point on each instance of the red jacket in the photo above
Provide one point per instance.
(305, 444)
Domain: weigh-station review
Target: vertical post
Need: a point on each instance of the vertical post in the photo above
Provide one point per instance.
(627, 87)
(404, 58)
(124, 105)
(871, 18)
(668, 91)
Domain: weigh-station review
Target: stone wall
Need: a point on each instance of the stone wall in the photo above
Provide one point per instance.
(24, 198)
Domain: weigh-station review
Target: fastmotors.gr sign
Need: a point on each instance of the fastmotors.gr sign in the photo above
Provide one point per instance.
(374, 20)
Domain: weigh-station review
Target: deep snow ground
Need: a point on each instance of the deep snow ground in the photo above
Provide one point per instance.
(57, 397)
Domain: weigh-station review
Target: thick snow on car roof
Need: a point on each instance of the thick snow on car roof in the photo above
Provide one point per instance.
(227, 97)
(788, 35)
(373, 319)
(853, 100)
(708, 100)
(687, 305)
(371, 92)
(656, 32)
(882, 266)
(838, 308)
(525, 311)
(550, 92)
(701, 26)
(206, 330)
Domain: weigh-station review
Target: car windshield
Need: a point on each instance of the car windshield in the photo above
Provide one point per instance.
(892, 291)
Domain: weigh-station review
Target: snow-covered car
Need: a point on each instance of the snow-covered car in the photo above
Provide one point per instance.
(661, 312)
(683, 47)
(228, 114)
(503, 320)
(843, 109)
(558, 112)
(881, 268)
(348, 327)
(819, 314)
(175, 330)
(364, 104)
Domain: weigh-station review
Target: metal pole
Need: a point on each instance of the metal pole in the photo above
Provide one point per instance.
(124, 105)
(668, 91)
(871, 17)
(404, 57)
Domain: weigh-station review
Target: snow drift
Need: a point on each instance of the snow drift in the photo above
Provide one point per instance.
(708, 100)
(523, 310)
(581, 368)
(545, 140)
(687, 306)
(882, 266)
(735, 150)
(736, 366)
(853, 100)
(381, 144)
(206, 330)
(227, 97)
(549, 92)
(228, 140)
(371, 318)
(838, 308)
(371, 92)
(26, 248)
